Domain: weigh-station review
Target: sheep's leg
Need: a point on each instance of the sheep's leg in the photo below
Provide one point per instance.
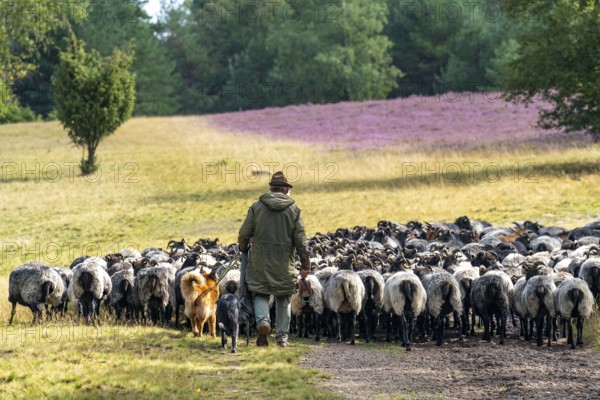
(472, 322)
(455, 317)
(440, 330)
(12, 313)
(486, 328)
(554, 328)
(460, 333)
(492, 324)
(388, 327)
(352, 326)
(366, 326)
(563, 324)
(404, 330)
(580, 331)
(550, 321)
(223, 339)
(512, 316)
(570, 335)
(411, 328)
(539, 322)
(306, 316)
(317, 327)
(465, 321)
(503, 321)
(522, 327)
(339, 326)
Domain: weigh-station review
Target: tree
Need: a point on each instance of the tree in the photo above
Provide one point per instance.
(333, 54)
(24, 30)
(94, 95)
(557, 60)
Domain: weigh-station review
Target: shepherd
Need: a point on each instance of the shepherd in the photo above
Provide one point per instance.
(275, 225)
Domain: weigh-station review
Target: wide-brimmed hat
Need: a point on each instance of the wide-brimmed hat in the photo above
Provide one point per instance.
(279, 179)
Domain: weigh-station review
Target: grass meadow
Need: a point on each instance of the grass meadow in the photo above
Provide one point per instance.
(168, 178)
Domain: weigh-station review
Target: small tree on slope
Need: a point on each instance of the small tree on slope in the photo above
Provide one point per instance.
(94, 95)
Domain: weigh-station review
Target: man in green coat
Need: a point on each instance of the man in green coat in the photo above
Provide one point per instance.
(275, 225)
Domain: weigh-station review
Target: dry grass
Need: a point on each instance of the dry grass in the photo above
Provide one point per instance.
(155, 187)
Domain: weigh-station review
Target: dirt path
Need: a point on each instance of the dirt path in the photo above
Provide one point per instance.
(477, 370)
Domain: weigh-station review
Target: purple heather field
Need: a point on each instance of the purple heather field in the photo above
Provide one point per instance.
(453, 121)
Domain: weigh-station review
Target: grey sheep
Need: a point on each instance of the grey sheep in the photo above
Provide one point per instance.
(443, 297)
(405, 297)
(465, 278)
(345, 293)
(230, 281)
(574, 299)
(121, 296)
(490, 297)
(324, 274)
(151, 292)
(308, 302)
(66, 275)
(590, 273)
(545, 243)
(373, 303)
(90, 285)
(521, 310)
(34, 285)
(538, 298)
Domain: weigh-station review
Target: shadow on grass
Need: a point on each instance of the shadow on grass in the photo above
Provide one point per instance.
(412, 175)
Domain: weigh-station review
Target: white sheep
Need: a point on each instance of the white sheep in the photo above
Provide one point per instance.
(405, 297)
(345, 294)
(574, 299)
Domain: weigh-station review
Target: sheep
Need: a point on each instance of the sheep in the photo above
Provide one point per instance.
(151, 293)
(66, 275)
(121, 295)
(130, 252)
(574, 299)
(443, 297)
(344, 293)
(229, 281)
(590, 273)
(306, 302)
(465, 278)
(404, 296)
(33, 285)
(490, 297)
(539, 303)
(90, 285)
(520, 309)
(374, 284)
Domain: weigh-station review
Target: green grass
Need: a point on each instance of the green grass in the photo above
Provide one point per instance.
(72, 361)
(154, 188)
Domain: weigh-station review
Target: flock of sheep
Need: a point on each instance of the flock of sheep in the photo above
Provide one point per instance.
(395, 278)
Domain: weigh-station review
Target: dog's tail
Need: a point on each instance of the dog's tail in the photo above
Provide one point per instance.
(192, 284)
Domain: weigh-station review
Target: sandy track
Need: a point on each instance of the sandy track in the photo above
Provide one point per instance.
(476, 370)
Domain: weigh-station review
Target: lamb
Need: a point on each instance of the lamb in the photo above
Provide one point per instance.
(405, 296)
(33, 285)
(151, 293)
(374, 284)
(574, 299)
(345, 293)
(228, 315)
(443, 297)
(590, 273)
(490, 297)
(90, 285)
(307, 302)
(121, 296)
(539, 303)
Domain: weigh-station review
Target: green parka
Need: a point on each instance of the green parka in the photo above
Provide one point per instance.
(275, 225)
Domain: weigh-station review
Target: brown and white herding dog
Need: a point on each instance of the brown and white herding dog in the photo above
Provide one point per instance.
(201, 292)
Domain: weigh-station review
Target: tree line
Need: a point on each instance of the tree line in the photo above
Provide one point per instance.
(207, 56)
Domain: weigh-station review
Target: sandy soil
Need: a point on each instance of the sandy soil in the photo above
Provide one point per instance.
(475, 370)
